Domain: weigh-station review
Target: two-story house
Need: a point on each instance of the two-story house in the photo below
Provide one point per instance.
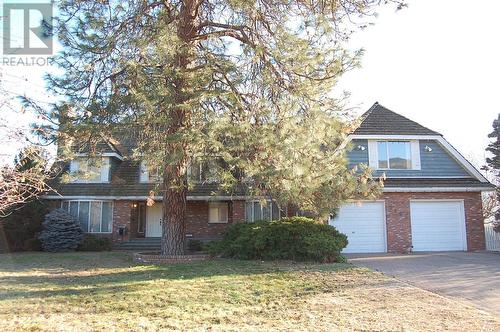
(431, 200)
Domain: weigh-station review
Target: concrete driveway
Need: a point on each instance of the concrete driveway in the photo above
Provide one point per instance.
(470, 276)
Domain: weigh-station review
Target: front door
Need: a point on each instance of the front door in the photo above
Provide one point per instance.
(153, 220)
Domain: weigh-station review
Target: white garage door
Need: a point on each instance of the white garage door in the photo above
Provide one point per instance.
(364, 225)
(438, 225)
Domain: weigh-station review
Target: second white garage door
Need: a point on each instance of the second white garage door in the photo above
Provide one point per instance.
(364, 225)
(438, 225)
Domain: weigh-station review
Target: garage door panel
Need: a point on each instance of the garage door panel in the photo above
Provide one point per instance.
(364, 225)
(438, 225)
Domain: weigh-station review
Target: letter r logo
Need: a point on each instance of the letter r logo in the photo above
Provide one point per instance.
(27, 28)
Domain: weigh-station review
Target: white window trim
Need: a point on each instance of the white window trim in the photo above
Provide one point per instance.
(144, 174)
(105, 154)
(88, 221)
(218, 204)
(103, 175)
(270, 202)
(373, 159)
(200, 164)
(190, 171)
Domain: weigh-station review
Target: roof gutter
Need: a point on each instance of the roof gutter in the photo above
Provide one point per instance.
(436, 189)
(156, 198)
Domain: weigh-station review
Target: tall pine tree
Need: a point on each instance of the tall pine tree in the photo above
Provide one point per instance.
(493, 163)
(246, 82)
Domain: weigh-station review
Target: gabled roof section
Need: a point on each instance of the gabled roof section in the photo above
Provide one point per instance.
(105, 146)
(379, 120)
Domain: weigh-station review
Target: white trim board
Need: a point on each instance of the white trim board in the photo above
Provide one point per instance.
(156, 198)
(444, 143)
(429, 177)
(105, 154)
(437, 189)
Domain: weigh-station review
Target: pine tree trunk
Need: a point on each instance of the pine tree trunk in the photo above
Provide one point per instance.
(174, 213)
(174, 177)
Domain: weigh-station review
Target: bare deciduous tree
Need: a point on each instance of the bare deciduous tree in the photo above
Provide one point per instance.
(24, 181)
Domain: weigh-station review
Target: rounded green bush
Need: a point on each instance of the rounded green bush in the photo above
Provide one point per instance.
(95, 243)
(297, 238)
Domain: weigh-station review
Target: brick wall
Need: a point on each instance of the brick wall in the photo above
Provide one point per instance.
(198, 227)
(122, 214)
(397, 207)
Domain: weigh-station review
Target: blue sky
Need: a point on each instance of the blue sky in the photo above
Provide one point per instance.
(436, 62)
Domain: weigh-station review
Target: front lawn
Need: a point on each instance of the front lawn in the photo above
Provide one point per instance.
(97, 291)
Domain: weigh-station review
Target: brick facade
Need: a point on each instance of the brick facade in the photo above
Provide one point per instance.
(197, 225)
(122, 215)
(397, 209)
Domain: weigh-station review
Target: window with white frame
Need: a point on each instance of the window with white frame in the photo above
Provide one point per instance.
(203, 170)
(93, 216)
(257, 210)
(394, 155)
(218, 212)
(148, 173)
(89, 170)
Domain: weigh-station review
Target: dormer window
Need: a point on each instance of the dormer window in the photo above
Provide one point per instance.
(203, 170)
(89, 170)
(394, 154)
(148, 173)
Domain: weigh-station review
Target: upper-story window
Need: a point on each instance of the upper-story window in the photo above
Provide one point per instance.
(149, 173)
(203, 171)
(90, 170)
(394, 154)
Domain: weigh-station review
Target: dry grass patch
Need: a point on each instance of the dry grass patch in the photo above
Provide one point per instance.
(98, 291)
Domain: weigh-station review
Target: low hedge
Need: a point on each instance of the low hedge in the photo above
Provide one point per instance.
(297, 238)
(95, 243)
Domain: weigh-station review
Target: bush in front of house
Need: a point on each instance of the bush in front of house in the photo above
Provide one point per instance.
(22, 225)
(195, 245)
(297, 238)
(60, 232)
(95, 243)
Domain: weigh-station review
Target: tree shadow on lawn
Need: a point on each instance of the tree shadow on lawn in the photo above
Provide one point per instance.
(20, 262)
(67, 292)
(83, 278)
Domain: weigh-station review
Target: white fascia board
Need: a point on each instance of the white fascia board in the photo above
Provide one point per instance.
(156, 198)
(444, 143)
(437, 189)
(405, 137)
(105, 154)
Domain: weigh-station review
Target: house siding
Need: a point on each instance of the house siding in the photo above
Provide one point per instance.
(435, 163)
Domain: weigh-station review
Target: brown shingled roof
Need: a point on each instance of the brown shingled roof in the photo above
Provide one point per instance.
(379, 120)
